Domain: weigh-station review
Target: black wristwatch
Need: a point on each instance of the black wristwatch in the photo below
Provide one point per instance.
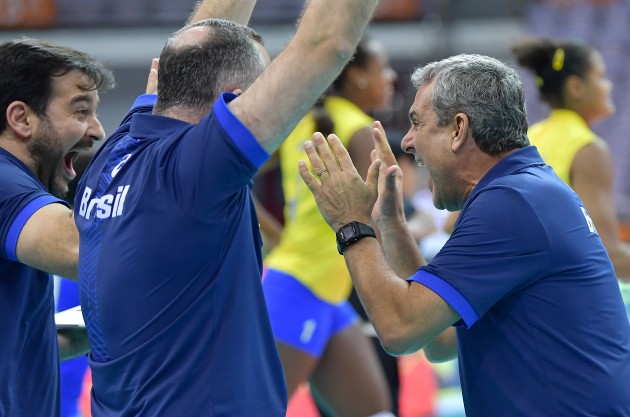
(352, 232)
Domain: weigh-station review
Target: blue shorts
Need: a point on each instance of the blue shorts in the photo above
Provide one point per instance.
(299, 318)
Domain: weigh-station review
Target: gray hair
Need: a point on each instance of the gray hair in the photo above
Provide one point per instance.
(487, 91)
(194, 75)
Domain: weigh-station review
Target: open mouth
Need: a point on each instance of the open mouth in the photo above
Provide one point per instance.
(69, 163)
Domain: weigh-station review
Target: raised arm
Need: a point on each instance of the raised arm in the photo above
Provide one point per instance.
(238, 11)
(399, 245)
(406, 315)
(325, 40)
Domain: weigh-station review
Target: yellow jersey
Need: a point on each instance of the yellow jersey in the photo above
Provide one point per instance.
(558, 138)
(307, 248)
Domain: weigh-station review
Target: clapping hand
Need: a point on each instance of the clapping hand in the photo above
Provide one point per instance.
(339, 190)
(389, 206)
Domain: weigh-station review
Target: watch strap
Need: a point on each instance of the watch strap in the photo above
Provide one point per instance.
(357, 231)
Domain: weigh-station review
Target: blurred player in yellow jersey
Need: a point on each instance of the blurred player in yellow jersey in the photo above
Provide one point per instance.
(571, 78)
(307, 284)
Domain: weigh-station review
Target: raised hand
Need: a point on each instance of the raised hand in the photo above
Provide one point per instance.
(340, 192)
(152, 82)
(382, 149)
(389, 206)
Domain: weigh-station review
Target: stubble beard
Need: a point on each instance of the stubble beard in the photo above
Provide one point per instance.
(45, 150)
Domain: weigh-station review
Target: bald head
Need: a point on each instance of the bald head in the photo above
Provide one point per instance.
(202, 60)
(192, 36)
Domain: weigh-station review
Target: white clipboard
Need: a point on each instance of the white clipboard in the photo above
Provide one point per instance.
(71, 318)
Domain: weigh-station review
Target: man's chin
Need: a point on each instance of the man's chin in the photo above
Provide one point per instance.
(437, 203)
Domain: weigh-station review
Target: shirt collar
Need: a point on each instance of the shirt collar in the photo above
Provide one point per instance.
(516, 161)
(22, 165)
(151, 126)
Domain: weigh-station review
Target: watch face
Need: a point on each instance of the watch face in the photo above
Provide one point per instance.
(347, 232)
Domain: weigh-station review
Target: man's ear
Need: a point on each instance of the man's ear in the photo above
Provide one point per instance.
(20, 119)
(460, 132)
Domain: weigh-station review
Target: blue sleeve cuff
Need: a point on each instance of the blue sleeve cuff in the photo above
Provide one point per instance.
(21, 219)
(448, 294)
(240, 134)
(145, 100)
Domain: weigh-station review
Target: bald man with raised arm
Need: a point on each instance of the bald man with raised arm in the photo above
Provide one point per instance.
(49, 97)
(170, 256)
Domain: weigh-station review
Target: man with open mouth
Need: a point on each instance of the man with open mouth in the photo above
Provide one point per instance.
(48, 97)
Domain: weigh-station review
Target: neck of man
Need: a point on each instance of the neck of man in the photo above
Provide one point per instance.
(185, 114)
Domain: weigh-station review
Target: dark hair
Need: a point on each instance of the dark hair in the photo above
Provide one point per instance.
(323, 121)
(487, 91)
(360, 59)
(552, 62)
(27, 67)
(194, 75)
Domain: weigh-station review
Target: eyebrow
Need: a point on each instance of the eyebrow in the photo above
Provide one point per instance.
(82, 97)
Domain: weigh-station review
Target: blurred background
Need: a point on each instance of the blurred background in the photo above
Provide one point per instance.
(126, 34)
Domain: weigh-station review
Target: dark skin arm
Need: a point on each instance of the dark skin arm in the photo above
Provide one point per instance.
(269, 225)
(360, 147)
(449, 224)
(72, 343)
(592, 180)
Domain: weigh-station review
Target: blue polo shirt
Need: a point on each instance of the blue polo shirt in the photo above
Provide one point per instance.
(170, 271)
(543, 329)
(29, 357)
